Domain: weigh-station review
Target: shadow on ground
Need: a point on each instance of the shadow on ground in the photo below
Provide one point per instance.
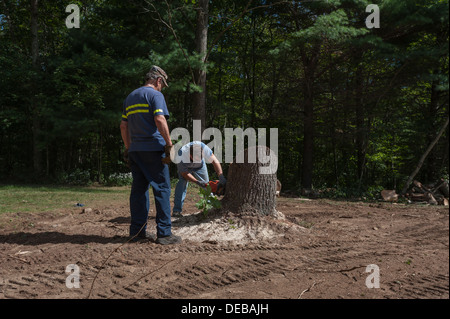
(35, 239)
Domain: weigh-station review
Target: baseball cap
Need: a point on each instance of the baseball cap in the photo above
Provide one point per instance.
(158, 72)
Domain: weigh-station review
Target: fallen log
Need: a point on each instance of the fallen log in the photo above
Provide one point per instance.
(431, 199)
(418, 184)
(433, 194)
(443, 187)
(415, 197)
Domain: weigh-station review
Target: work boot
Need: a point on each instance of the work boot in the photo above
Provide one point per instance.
(142, 237)
(168, 240)
(177, 214)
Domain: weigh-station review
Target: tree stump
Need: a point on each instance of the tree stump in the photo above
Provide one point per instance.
(252, 183)
(248, 214)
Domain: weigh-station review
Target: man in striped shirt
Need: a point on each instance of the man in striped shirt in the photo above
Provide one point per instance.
(146, 136)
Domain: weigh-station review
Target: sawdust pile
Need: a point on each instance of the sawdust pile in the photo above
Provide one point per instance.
(235, 229)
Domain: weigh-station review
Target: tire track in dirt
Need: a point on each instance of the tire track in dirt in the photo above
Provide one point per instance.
(421, 287)
(31, 286)
(417, 239)
(423, 233)
(333, 253)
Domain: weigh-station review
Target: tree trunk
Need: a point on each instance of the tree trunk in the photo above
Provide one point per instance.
(100, 157)
(201, 43)
(308, 139)
(360, 127)
(424, 156)
(249, 191)
(309, 67)
(445, 152)
(431, 165)
(253, 74)
(37, 156)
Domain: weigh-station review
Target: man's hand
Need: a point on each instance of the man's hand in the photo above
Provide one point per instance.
(166, 160)
(126, 159)
(201, 184)
(222, 185)
(168, 149)
(222, 180)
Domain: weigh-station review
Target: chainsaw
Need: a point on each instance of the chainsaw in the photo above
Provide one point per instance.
(216, 188)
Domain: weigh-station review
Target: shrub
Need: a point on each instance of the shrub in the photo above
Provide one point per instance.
(76, 177)
(207, 201)
(119, 179)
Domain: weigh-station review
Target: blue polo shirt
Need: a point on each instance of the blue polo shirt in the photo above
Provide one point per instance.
(185, 164)
(139, 110)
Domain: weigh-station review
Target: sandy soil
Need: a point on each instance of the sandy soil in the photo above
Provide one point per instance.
(314, 249)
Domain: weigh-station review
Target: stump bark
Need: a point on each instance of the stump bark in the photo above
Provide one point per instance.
(252, 183)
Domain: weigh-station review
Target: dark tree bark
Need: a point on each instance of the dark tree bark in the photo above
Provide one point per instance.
(36, 125)
(248, 191)
(309, 62)
(308, 145)
(431, 165)
(201, 43)
(360, 124)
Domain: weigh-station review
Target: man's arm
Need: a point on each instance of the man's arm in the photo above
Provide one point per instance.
(216, 165)
(125, 134)
(190, 178)
(218, 169)
(163, 128)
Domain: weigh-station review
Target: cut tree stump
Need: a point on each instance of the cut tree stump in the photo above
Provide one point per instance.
(252, 184)
(389, 195)
(248, 214)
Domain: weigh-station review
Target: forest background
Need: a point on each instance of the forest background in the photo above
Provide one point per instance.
(355, 107)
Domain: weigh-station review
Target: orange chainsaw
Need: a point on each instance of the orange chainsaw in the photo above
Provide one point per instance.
(216, 188)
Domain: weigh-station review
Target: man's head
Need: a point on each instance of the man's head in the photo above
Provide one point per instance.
(157, 77)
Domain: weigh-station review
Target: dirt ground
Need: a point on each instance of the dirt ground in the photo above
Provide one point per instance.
(314, 249)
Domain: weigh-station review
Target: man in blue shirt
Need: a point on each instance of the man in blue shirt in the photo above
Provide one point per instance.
(146, 136)
(192, 159)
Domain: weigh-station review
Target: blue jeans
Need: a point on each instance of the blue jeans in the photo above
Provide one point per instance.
(148, 170)
(181, 189)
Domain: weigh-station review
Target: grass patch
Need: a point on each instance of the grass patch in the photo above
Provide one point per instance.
(15, 198)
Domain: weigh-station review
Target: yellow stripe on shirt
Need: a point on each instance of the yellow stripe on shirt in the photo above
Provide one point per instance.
(135, 106)
(138, 111)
